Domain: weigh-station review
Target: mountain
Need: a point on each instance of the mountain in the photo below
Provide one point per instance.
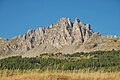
(63, 36)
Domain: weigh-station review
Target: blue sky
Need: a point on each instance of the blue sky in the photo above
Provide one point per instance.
(17, 16)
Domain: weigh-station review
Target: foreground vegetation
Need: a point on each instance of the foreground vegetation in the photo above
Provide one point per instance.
(104, 61)
(56, 75)
(100, 65)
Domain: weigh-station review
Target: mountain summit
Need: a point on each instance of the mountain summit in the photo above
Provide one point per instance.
(64, 36)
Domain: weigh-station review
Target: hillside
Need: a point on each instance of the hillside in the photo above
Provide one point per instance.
(63, 36)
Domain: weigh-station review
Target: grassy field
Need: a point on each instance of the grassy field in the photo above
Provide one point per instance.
(57, 75)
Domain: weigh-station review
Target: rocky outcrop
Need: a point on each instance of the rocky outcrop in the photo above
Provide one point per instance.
(60, 36)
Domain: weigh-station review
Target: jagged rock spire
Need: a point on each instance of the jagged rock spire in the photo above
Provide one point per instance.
(77, 20)
(76, 23)
(69, 21)
(87, 26)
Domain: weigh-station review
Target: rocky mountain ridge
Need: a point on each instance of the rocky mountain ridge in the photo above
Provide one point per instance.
(63, 36)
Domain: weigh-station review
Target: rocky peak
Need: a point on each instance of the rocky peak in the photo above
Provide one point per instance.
(59, 34)
(54, 37)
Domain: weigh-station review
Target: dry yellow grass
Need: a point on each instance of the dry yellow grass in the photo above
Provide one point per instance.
(47, 75)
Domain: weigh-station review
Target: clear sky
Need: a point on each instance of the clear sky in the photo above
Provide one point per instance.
(17, 16)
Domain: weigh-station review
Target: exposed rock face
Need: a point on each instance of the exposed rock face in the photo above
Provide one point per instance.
(58, 37)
